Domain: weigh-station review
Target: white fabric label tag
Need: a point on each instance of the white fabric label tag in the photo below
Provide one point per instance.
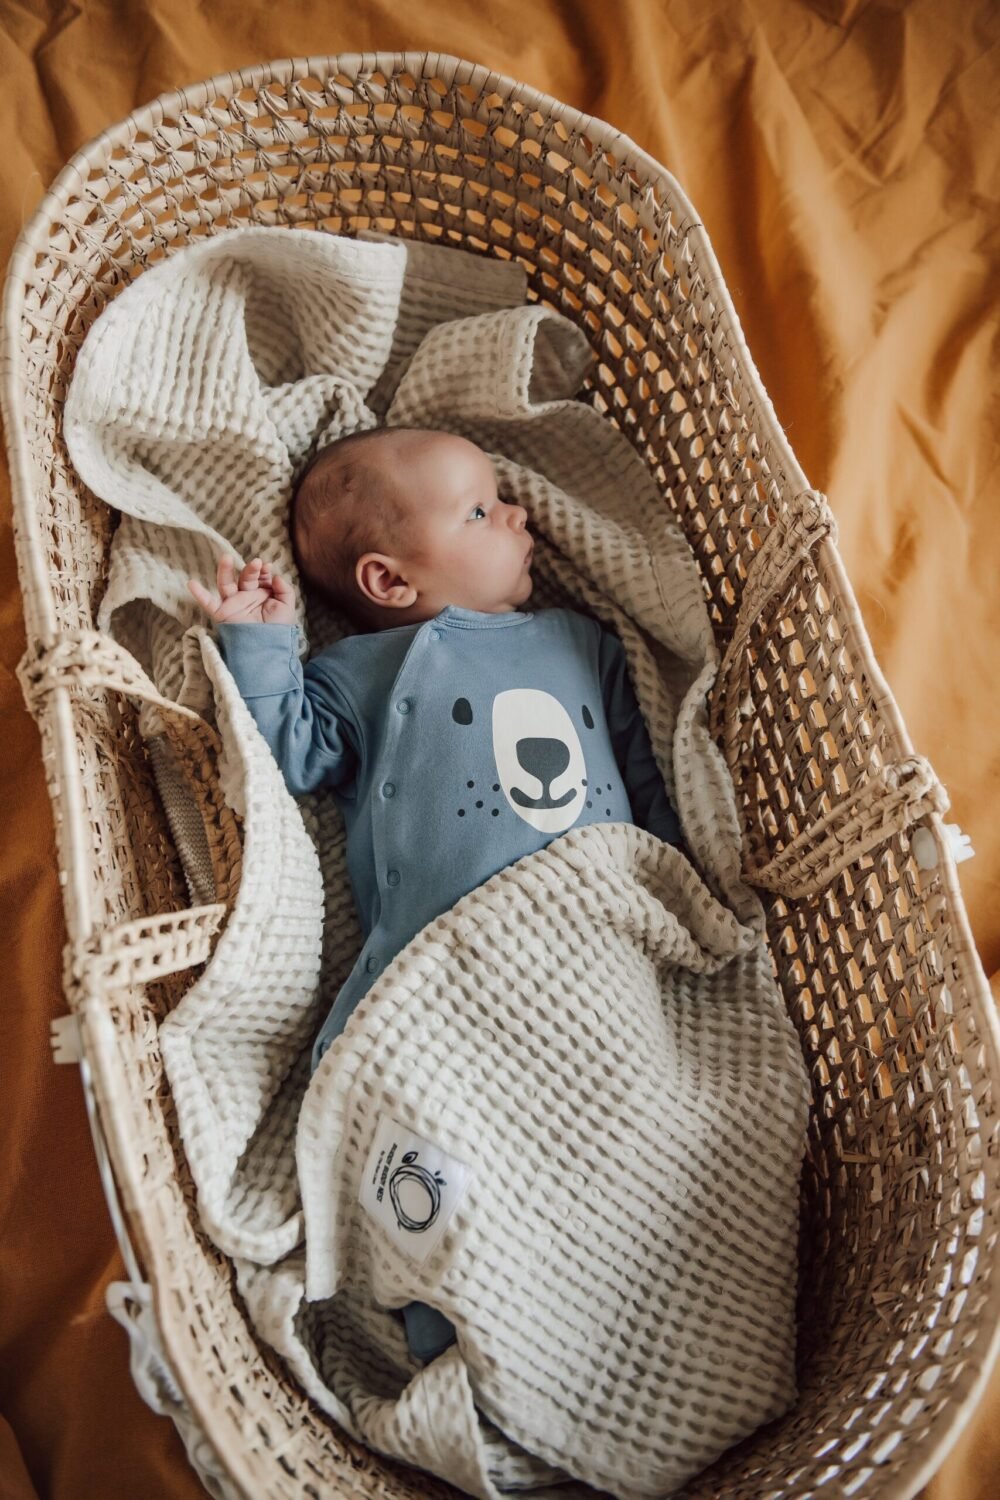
(411, 1187)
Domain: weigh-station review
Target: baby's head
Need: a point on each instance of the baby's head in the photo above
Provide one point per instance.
(395, 523)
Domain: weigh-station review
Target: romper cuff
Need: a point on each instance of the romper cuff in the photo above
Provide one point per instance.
(262, 658)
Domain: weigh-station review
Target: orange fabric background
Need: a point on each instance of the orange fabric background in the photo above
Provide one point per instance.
(844, 160)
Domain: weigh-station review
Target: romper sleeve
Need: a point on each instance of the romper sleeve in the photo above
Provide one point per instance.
(304, 715)
(630, 740)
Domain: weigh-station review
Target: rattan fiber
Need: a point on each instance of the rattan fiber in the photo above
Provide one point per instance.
(899, 1292)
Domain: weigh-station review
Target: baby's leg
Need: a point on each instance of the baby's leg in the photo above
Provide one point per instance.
(428, 1332)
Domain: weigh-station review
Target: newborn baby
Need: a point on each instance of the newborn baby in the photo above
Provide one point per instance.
(457, 731)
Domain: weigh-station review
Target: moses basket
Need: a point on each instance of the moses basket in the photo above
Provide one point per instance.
(843, 822)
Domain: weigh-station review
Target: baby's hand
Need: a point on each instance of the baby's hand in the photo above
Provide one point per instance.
(257, 597)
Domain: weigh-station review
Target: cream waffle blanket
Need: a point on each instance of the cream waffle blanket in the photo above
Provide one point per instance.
(571, 1113)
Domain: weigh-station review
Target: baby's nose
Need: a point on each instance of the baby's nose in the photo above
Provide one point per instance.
(519, 517)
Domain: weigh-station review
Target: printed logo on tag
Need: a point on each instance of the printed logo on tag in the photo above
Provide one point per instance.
(411, 1187)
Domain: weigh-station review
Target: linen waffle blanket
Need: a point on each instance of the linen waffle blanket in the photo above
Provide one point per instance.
(571, 1113)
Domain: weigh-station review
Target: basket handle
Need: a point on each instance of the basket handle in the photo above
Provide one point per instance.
(87, 659)
(901, 794)
(897, 795)
(142, 948)
(803, 522)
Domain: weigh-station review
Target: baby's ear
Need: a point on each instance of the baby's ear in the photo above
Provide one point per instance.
(380, 581)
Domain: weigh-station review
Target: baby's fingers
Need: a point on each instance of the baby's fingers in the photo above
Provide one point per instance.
(226, 576)
(204, 598)
(250, 577)
(282, 591)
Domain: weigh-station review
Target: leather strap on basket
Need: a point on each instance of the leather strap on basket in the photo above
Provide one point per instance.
(143, 948)
(891, 799)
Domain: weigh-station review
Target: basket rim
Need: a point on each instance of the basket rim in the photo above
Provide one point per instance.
(453, 70)
(39, 609)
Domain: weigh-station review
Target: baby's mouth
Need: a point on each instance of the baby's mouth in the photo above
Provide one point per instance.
(530, 555)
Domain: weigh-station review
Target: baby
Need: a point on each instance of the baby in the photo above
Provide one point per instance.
(457, 731)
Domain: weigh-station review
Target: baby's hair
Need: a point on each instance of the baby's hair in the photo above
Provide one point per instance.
(343, 507)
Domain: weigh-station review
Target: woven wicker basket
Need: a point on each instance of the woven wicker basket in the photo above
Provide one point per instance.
(843, 833)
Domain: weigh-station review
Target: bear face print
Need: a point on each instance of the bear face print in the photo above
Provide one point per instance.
(539, 758)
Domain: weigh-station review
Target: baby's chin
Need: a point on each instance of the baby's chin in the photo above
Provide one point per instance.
(518, 596)
(522, 596)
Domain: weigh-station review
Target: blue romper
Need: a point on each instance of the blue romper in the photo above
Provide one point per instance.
(453, 747)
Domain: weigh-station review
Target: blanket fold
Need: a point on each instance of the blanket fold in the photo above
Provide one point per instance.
(570, 1114)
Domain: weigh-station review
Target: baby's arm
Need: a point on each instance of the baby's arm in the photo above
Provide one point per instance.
(306, 720)
(633, 751)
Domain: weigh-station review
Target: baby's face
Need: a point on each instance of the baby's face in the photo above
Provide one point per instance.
(469, 548)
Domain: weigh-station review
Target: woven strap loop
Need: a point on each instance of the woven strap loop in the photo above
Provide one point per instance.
(896, 796)
(88, 659)
(142, 949)
(900, 794)
(803, 521)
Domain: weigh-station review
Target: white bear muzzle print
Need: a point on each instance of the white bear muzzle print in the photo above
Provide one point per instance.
(539, 758)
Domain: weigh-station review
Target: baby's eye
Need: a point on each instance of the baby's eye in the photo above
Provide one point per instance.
(472, 513)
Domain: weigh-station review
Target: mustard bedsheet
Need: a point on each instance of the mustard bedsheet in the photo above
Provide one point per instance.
(845, 160)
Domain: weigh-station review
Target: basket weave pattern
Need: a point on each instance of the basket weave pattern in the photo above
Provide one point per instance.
(899, 1291)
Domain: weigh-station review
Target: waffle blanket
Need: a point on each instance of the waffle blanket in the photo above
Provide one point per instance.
(571, 1113)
